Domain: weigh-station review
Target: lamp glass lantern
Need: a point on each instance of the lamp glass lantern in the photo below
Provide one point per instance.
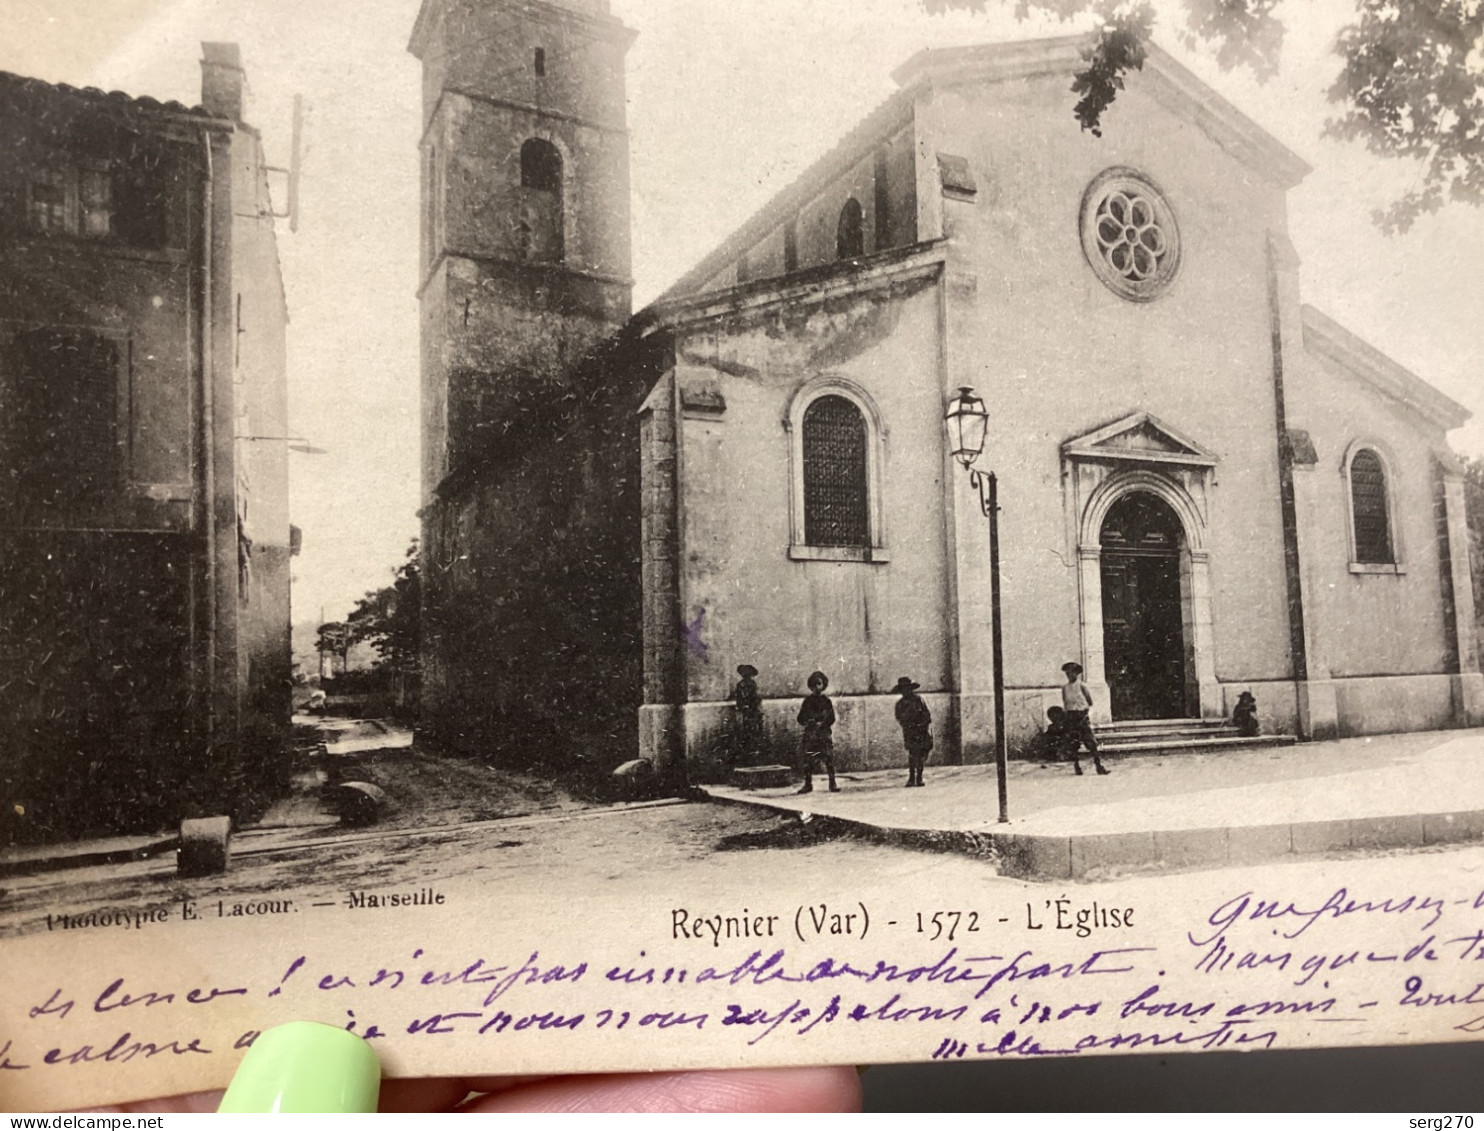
(967, 420)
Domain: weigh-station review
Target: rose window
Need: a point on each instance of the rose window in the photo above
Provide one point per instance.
(1129, 235)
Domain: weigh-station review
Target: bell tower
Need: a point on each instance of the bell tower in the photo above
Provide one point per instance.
(525, 211)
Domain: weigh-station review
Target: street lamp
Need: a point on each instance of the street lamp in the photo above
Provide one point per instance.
(967, 421)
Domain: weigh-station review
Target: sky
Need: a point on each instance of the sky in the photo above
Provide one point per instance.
(729, 100)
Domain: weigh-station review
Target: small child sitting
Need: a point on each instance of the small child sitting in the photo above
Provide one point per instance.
(1049, 743)
(1244, 716)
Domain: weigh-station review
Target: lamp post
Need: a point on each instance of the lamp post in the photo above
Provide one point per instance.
(967, 421)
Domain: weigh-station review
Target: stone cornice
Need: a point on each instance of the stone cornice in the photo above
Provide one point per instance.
(1326, 338)
(801, 288)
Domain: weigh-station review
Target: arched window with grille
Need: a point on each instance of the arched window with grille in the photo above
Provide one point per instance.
(542, 237)
(836, 458)
(1370, 509)
(850, 232)
(836, 488)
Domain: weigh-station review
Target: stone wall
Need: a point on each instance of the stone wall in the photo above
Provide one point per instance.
(533, 595)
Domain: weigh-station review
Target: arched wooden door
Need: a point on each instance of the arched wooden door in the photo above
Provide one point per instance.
(1144, 645)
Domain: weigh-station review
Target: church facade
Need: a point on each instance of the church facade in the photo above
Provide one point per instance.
(1206, 487)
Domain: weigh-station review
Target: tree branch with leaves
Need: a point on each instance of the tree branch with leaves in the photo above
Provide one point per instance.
(1410, 84)
(390, 619)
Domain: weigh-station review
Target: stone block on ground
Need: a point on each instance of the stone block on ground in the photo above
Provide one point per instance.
(637, 780)
(762, 777)
(359, 803)
(205, 846)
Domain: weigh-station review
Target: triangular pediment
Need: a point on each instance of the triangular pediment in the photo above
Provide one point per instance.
(1139, 438)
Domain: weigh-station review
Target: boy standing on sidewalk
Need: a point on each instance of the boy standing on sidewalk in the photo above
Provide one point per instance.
(749, 718)
(915, 719)
(817, 717)
(1076, 700)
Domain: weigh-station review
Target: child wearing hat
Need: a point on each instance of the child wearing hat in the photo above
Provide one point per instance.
(817, 717)
(915, 719)
(749, 712)
(1076, 701)
(1244, 716)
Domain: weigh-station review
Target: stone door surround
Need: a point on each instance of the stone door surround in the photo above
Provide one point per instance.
(1141, 453)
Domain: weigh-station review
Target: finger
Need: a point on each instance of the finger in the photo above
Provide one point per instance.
(758, 1090)
(191, 1102)
(423, 1094)
(484, 1084)
(430, 1094)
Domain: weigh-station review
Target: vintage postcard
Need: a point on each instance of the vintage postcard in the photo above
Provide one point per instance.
(581, 535)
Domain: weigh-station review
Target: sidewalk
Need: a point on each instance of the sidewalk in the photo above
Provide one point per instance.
(1171, 811)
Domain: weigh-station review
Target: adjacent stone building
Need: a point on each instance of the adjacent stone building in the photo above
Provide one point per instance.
(1206, 486)
(144, 563)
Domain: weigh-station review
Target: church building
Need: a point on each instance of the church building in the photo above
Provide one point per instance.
(1205, 486)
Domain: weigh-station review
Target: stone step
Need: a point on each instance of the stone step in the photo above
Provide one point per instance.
(1116, 737)
(1143, 726)
(1178, 720)
(1195, 745)
(1147, 729)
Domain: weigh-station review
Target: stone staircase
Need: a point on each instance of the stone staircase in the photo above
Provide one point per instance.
(1164, 736)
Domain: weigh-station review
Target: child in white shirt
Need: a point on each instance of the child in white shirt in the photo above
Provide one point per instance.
(1076, 700)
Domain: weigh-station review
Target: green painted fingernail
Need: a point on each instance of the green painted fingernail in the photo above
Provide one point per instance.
(305, 1067)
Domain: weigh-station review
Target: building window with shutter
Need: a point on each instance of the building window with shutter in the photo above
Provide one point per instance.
(112, 202)
(1373, 541)
(48, 200)
(836, 454)
(140, 204)
(60, 400)
(95, 198)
